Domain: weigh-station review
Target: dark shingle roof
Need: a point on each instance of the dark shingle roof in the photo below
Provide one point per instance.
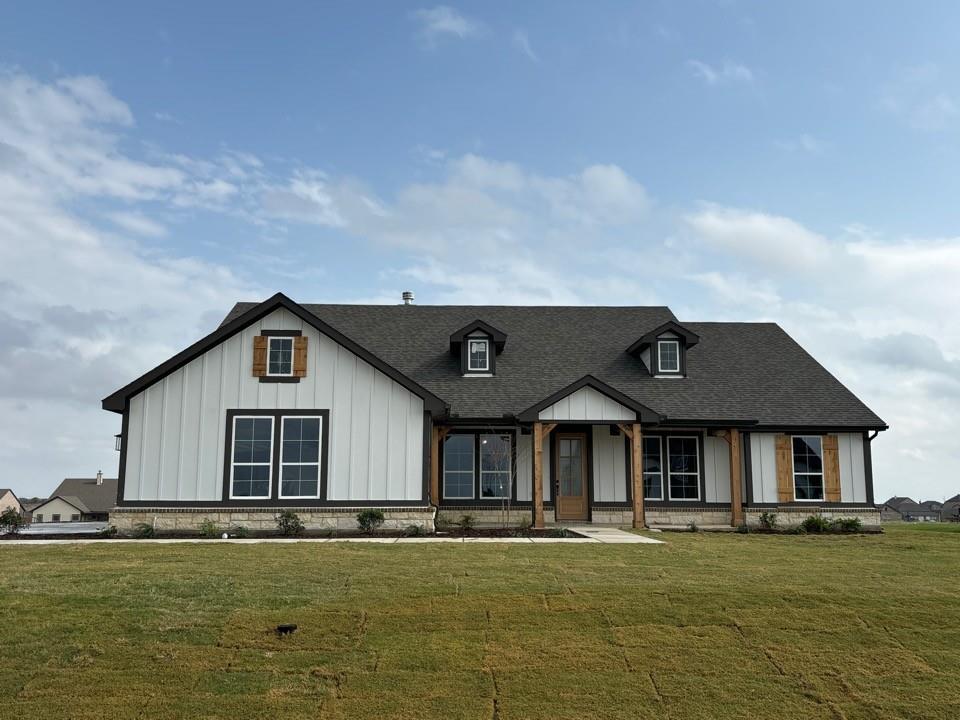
(738, 371)
(94, 498)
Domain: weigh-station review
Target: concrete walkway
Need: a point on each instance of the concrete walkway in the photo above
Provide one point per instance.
(606, 535)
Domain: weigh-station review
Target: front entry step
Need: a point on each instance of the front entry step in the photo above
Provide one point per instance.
(612, 535)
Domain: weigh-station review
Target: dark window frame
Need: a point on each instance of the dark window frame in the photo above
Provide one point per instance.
(793, 470)
(275, 459)
(491, 355)
(477, 498)
(681, 358)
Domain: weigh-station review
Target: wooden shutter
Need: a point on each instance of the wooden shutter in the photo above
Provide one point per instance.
(831, 468)
(784, 458)
(300, 356)
(259, 356)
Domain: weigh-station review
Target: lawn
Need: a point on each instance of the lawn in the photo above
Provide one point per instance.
(706, 626)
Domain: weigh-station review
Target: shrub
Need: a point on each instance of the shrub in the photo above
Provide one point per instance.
(240, 531)
(108, 531)
(442, 522)
(847, 525)
(768, 520)
(414, 531)
(370, 520)
(524, 526)
(289, 523)
(10, 522)
(209, 529)
(143, 530)
(743, 528)
(816, 524)
(692, 527)
(466, 523)
(558, 532)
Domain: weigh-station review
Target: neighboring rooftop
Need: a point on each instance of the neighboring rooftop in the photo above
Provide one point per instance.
(92, 497)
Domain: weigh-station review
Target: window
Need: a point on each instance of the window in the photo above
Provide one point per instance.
(478, 358)
(668, 356)
(495, 462)
(74, 518)
(38, 517)
(808, 467)
(300, 457)
(458, 467)
(55, 518)
(683, 467)
(280, 356)
(652, 469)
(251, 467)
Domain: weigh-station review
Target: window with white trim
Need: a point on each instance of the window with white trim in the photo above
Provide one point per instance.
(478, 355)
(668, 356)
(458, 462)
(683, 468)
(495, 463)
(279, 355)
(807, 467)
(300, 457)
(652, 469)
(251, 467)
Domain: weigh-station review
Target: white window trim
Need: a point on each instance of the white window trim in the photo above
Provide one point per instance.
(659, 440)
(486, 365)
(318, 463)
(660, 367)
(793, 473)
(473, 472)
(270, 341)
(233, 440)
(670, 473)
(509, 470)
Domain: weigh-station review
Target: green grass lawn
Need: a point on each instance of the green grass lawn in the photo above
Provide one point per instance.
(706, 626)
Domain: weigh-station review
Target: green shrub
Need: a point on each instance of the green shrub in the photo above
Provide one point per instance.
(768, 520)
(816, 524)
(143, 530)
(414, 531)
(10, 522)
(848, 525)
(107, 531)
(743, 528)
(289, 523)
(523, 527)
(209, 529)
(442, 522)
(466, 522)
(692, 527)
(558, 532)
(240, 531)
(370, 520)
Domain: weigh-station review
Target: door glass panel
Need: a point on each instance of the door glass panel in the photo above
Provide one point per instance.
(571, 467)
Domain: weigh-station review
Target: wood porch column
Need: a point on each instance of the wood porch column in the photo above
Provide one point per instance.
(639, 514)
(436, 437)
(736, 496)
(538, 475)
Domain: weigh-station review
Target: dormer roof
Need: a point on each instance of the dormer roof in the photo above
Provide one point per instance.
(478, 326)
(689, 337)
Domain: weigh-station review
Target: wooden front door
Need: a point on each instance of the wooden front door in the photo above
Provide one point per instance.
(571, 476)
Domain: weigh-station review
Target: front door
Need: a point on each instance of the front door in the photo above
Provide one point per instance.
(571, 476)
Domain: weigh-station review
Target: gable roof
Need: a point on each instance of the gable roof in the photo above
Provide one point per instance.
(897, 500)
(235, 323)
(644, 414)
(498, 336)
(670, 326)
(94, 498)
(4, 491)
(751, 371)
(74, 502)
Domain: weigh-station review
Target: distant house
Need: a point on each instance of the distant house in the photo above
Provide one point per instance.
(908, 510)
(78, 499)
(950, 510)
(9, 500)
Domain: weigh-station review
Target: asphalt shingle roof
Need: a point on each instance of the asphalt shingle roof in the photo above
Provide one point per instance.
(94, 498)
(738, 371)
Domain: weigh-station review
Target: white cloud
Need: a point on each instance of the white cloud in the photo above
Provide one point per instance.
(442, 20)
(725, 73)
(522, 43)
(137, 223)
(920, 96)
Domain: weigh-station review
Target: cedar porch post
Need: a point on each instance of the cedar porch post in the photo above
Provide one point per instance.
(538, 475)
(436, 436)
(636, 441)
(736, 496)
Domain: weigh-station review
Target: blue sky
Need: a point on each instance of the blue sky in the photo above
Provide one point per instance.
(736, 161)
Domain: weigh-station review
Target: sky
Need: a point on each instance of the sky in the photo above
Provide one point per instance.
(795, 163)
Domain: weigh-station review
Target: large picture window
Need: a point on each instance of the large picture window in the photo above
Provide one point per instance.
(808, 467)
(477, 466)
(683, 468)
(652, 469)
(252, 458)
(300, 457)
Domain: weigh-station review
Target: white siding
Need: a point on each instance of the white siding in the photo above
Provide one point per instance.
(764, 467)
(853, 478)
(588, 404)
(176, 429)
(716, 469)
(609, 466)
(524, 467)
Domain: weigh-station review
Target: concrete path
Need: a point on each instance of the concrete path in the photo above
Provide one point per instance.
(612, 535)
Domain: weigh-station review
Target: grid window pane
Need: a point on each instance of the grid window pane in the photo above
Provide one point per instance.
(280, 356)
(684, 487)
(478, 355)
(458, 469)
(300, 458)
(252, 456)
(496, 459)
(652, 469)
(669, 351)
(683, 463)
(808, 467)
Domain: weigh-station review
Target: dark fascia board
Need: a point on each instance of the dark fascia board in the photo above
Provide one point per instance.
(823, 428)
(115, 402)
(498, 336)
(61, 498)
(644, 414)
(690, 338)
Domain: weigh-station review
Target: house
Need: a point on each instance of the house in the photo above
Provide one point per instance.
(78, 500)
(9, 500)
(908, 510)
(558, 414)
(950, 510)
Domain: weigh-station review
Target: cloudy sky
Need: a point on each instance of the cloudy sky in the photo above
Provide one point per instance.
(733, 160)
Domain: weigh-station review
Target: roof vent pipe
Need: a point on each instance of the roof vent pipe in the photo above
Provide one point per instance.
(99, 477)
(407, 297)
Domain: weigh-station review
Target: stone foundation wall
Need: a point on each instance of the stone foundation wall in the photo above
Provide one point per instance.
(261, 520)
(494, 518)
(792, 516)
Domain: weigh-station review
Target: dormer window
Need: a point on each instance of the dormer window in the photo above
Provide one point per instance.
(478, 358)
(668, 356)
(280, 356)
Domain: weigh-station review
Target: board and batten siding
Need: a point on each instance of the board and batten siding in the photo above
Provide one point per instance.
(587, 404)
(853, 483)
(716, 469)
(177, 426)
(609, 466)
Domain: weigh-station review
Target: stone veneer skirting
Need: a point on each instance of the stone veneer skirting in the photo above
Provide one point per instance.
(263, 519)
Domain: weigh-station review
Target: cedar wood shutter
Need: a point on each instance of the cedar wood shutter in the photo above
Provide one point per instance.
(259, 356)
(300, 356)
(831, 468)
(784, 461)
